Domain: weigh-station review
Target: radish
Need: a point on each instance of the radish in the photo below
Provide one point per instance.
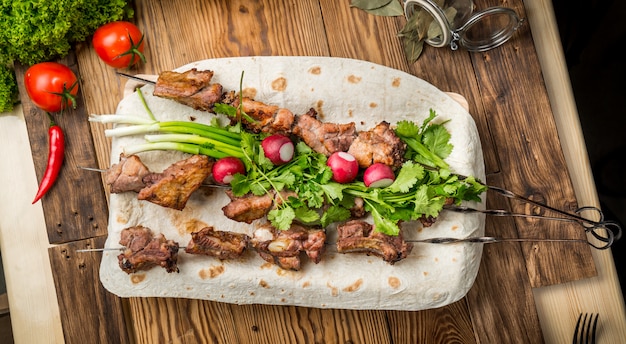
(344, 167)
(278, 148)
(225, 168)
(378, 176)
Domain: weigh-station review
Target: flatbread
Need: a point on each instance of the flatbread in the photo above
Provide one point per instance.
(341, 90)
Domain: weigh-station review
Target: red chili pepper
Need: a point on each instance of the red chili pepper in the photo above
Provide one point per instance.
(56, 154)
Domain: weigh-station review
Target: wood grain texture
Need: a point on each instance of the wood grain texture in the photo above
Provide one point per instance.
(530, 155)
(89, 313)
(450, 324)
(73, 206)
(495, 285)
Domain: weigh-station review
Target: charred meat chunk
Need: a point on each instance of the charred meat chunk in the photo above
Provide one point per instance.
(145, 250)
(192, 88)
(173, 187)
(251, 207)
(359, 236)
(219, 244)
(322, 137)
(378, 145)
(266, 118)
(283, 248)
(127, 175)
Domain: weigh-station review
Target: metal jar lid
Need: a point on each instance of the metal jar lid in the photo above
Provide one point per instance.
(455, 24)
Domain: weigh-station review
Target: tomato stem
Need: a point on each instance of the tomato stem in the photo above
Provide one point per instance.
(133, 51)
(67, 97)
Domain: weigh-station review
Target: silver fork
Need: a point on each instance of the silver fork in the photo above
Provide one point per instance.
(587, 334)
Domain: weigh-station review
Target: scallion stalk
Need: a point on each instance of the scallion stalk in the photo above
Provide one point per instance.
(177, 146)
(219, 136)
(131, 130)
(121, 119)
(204, 127)
(197, 140)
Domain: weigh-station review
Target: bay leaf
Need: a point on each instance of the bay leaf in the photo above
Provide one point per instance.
(369, 4)
(413, 49)
(392, 9)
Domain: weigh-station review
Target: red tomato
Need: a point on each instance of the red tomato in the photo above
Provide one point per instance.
(119, 44)
(51, 86)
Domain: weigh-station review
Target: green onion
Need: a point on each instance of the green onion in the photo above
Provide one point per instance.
(124, 119)
(187, 137)
(204, 127)
(197, 140)
(181, 147)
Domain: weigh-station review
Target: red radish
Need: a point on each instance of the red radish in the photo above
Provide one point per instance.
(378, 176)
(225, 168)
(344, 167)
(278, 148)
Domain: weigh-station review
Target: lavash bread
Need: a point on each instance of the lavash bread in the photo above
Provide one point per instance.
(341, 90)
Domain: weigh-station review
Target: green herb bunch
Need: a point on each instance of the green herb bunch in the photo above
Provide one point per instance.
(424, 184)
(33, 31)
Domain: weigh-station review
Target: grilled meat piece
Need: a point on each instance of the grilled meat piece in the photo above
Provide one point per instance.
(144, 250)
(173, 187)
(267, 118)
(219, 244)
(251, 207)
(358, 236)
(322, 137)
(127, 175)
(191, 88)
(283, 248)
(378, 145)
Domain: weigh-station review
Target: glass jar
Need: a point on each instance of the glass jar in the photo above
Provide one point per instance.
(454, 23)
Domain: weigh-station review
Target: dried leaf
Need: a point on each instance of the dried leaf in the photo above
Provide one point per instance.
(413, 49)
(392, 9)
(369, 4)
(434, 30)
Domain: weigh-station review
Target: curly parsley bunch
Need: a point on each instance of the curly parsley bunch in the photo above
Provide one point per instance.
(33, 31)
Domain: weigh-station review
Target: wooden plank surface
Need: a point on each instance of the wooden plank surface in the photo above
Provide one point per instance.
(600, 294)
(495, 285)
(89, 313)
(514, 136)
(33, 305)
(530, 156)
(73, 207)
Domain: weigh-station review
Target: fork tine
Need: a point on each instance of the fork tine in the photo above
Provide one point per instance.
(575, 338)
(593, 331)
(586, 332)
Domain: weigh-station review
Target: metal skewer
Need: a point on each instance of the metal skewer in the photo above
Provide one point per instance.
(613, 229)
(438, 240)
(203, 184)
(129, 76)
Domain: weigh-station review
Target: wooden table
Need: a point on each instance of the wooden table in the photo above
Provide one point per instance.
(517, 94)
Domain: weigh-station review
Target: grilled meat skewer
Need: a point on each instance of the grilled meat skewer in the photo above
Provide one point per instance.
(193, 88)
(170, 188)
(145, 250)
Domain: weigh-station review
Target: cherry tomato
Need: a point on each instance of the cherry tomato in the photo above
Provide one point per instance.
(119, 44)
(51, 86)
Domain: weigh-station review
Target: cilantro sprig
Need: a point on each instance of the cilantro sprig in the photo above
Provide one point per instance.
(427, 144)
